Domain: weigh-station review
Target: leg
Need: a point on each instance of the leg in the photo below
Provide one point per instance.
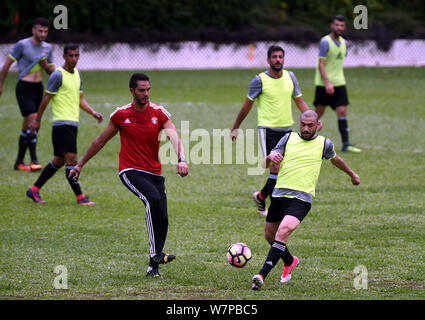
(71, 160)
(278, 250)
(285, 215)
(22, 149)
(320, 110)
(341, 113)
(34, 191)
(32, 142)
(37, 96)
(49, 171)
(286, 227)
(268, 140)
(270, 231)
(148, 188)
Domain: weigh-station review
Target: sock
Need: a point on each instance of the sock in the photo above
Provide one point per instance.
(343, 130)
(75, 184)
(269, 186)
(275, 254)
(152, 264)
(46, 174)
(287, 257)
(23, 145)
(32, 143)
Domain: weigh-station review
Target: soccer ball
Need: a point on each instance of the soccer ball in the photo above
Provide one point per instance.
(238, 254)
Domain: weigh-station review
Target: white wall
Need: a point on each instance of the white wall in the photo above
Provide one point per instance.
(192, 55)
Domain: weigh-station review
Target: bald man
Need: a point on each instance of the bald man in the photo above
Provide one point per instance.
(299, 156)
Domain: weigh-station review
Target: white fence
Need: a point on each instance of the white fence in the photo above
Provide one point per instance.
(193, 55)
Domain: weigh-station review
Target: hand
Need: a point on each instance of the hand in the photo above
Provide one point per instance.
(234, 134)
(43, 63)
(74, 174)
(275, 157)
(329, 88)
(98, 116)
(319, 125)
(34, 126)
(355, 179)
(182, 169)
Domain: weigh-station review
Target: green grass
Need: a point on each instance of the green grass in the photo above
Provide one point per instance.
(379, 224)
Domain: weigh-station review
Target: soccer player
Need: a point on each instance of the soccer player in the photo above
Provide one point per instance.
(330, 81)
(274, 89)
(65, 90)
(140, 124)
(33, 55)
(300, 156)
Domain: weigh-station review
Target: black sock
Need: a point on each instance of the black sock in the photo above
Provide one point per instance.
(46, 174)
(269, 186)
(287, 257)
(153, 264)
(32, 144)
(75, 184)
(343, 130)
(22, 147)
(275, 254)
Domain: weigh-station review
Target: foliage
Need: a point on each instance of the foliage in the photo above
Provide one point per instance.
(240, 21)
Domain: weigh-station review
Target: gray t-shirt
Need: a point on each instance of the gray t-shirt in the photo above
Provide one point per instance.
(55, 81)
(256, 86)
(27, 54)
(328, 153)
(53, 85)
(324, 47)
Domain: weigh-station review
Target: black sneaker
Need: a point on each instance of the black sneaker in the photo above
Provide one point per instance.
(261, 204)
(163, 258)
(153, 273)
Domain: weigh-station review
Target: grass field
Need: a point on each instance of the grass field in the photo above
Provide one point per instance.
(379, 224)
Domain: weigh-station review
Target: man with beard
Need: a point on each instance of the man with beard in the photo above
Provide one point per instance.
(330, 81)
(33, 55)
(274, 89)
(65, 90)
(140, 124)
(299, 156)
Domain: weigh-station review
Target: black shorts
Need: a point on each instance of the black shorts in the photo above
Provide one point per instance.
(283, 206)
(340, 97)
(29, 96)
(64, 139)
(269, 139)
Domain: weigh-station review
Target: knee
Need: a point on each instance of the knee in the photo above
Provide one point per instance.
(269, 237)
(341, 112)
(284, 232)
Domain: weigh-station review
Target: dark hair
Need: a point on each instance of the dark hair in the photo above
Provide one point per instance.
(338, 17)
(274, 48)
(70, 46)
(41, 22)
(137, 77)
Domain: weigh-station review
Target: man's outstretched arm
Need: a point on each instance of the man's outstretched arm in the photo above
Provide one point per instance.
(338, 162)
(107, 134)
(246, 108)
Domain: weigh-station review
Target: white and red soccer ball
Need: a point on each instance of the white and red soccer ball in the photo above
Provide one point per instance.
(238, 254)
